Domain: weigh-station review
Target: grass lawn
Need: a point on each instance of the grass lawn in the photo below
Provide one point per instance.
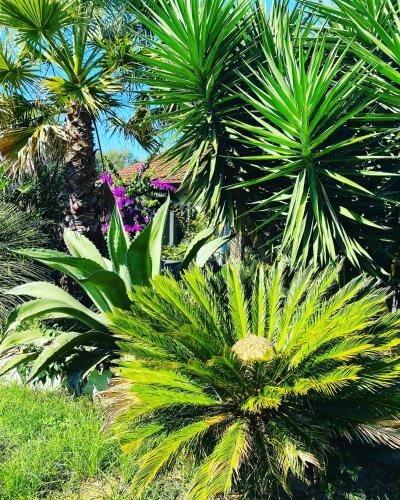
(52, 447)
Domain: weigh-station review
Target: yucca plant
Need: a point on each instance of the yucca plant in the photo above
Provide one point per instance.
(258, 382)
(303, 109)
(371, 29)
(106, 282)
(190, 63)
(278, 126)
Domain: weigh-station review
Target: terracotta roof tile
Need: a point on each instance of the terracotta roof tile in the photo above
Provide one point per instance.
(161, 170)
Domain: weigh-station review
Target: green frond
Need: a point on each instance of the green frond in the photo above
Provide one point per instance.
(270, 397)
(347, 349)
(274, 296)
(216, 474)
(237, 302)
(259, 313)
(376, 435)
(291, 458)
(152, 462)
(330, 382)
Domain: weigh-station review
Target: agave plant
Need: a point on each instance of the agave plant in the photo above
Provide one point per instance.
(107, 283)
(259, 382)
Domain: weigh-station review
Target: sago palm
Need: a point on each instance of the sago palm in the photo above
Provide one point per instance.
(259, 382)
(50, 55)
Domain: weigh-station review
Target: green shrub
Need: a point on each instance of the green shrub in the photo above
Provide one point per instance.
(17, 230)
(260, 383)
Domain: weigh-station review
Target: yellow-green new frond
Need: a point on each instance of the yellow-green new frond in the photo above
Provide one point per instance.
(237, 302)
(216, 475)
(152, 462)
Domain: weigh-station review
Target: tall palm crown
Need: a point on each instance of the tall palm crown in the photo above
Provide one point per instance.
(259, 382)
(51, 64)
(275, 124)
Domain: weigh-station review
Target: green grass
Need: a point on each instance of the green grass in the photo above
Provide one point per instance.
(47, 441)
(52, 447)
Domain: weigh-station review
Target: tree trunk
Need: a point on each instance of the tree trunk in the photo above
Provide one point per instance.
(237, 247)
(82, 211)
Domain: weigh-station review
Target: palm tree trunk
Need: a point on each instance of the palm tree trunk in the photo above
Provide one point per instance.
(237, 246)
(81, 198)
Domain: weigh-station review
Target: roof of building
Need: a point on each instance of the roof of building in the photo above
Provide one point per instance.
(161, 169)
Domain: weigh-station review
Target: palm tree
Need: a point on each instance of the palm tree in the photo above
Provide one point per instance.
(260, 383)
(57, 72)
(277, 125)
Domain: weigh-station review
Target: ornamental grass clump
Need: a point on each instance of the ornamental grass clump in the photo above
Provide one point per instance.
(258, 383)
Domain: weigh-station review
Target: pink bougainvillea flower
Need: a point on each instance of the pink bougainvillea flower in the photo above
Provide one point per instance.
(106, 178)
(136, 227)
(163, 186)
(119, 192)
(121, 202)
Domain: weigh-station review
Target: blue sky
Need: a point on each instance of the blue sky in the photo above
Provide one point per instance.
(111, 142)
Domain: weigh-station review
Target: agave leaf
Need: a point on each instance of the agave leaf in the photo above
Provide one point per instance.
(16, 361)
(51, 309)
(64, 344)
(20, 338)
(144, 254)
(118, 244)
(80, 246)
(74, 267)
(44, 290)
(111, 288)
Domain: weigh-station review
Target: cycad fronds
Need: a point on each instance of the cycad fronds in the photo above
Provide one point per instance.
(260, 383)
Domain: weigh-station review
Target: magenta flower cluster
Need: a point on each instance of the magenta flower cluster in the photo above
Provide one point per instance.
(163, 186)
(134, 211)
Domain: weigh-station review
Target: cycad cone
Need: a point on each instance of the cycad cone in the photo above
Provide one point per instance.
(253, 348)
